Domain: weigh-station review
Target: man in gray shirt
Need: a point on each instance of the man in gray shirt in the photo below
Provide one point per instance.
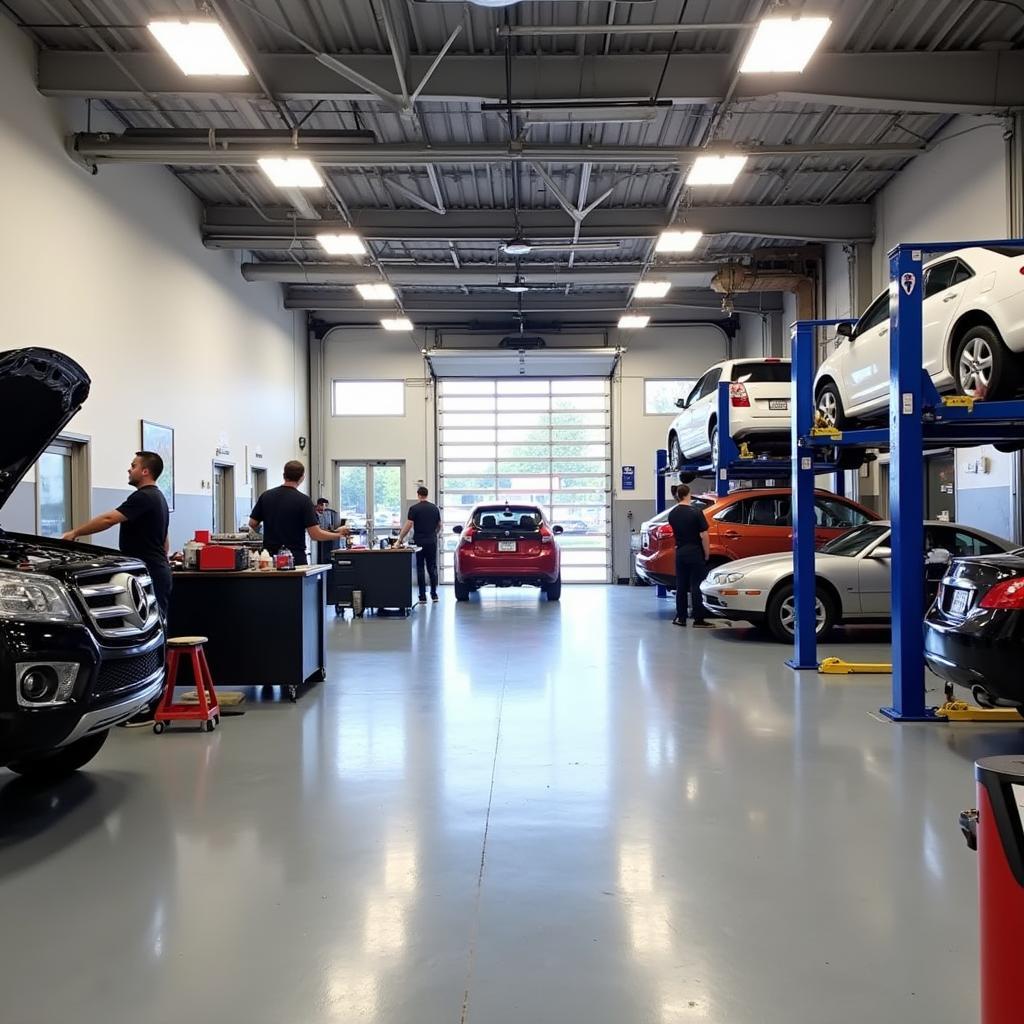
(328, 520)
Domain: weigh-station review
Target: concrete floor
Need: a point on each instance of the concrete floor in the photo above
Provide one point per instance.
(510, 812)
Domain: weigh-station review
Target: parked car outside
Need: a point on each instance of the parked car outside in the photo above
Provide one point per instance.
(974, 631)
(853, 578)
(505, 545)
(574, 526)
(973, 337)
(81, 644)
(759, 400)
(745, 523)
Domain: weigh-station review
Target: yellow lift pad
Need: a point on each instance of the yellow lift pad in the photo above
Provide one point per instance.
(838, 667)
(959, 402)
(961, 711)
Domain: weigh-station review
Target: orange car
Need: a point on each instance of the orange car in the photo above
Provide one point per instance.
(742, 524)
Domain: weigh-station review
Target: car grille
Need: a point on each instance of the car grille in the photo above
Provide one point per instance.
(119, 675)
(114, 611)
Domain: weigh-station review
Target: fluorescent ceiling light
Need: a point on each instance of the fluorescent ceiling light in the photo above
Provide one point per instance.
(517, 247)
(632, 321)
(517, 287)
(678, 241)
(398, 323)
(345, 244)
(198, 47)
(291, 171)
(715, 170)
(376, 292)
(652, 289)
(784, 44)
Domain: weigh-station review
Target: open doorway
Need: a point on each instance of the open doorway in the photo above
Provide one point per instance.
(370, 497)
(224, 498)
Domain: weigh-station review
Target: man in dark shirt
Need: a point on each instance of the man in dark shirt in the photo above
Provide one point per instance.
(143, 518)
(329, 520)
(288, 516)
(691, 533)
(425, 523)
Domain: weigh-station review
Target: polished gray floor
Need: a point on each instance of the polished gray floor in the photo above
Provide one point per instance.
(510, 812)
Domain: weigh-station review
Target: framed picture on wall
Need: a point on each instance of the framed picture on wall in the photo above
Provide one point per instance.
(160, 439)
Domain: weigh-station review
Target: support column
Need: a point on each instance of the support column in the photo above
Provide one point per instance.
(660, 469)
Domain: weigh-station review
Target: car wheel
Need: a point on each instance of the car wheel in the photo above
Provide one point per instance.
(55, 764)
(714, 445)
(675, 454)
(461, 591)
(553, 590)
(983, 366)
(782, 614)
(829, 407)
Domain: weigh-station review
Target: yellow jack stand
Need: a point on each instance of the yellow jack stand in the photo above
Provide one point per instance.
(961, 711)
(838, 667)
(745, 452)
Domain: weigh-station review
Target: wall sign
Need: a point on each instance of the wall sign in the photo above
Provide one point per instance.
(629, 478)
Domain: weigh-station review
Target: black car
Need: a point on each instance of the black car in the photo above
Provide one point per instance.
(81, 643)
(974, 632)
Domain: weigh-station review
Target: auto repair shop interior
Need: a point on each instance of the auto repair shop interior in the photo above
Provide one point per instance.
(550, 261)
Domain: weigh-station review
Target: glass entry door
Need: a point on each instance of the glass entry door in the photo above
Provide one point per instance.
(53, 473)
(370, 497)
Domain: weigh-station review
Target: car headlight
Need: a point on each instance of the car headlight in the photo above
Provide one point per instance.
(34, 598)
(727, 577)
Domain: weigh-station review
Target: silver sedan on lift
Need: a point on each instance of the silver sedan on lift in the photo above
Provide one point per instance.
(852, 572)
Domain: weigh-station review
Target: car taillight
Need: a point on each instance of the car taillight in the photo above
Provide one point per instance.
(1008, 594)
(663, 532)
(468, 534)
(546, 536)
(738, 396)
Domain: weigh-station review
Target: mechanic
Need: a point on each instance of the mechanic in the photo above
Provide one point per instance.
(425, 523)
(329, 520)
(691, 533)
(288, 516)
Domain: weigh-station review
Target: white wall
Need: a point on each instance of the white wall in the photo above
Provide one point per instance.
(111, 270)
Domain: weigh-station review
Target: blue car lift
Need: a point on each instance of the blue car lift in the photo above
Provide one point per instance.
(918, 419)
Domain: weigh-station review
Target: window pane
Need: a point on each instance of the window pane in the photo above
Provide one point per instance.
(578, 450)
(478, 403)
(467, 387)
(462, 468)
(523, 387)
(660, 395)
(467, 419)
(523, 419)
(450, 436)
(566, 434)
(53, 471)
(581, 402)
(578, 419)
(467, 451)
(369, 398)
(514, 403)
(579, 387)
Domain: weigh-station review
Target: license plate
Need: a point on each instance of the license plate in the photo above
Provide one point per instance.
(778, 404)
(506, 545)
(958, 606)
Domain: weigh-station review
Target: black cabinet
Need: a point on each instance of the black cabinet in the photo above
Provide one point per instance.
(385, 578)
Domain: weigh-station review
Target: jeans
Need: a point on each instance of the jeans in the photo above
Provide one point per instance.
(161, 577)
(426, 558)
(690, 572)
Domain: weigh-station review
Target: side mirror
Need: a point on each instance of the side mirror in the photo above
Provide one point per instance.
(557, 529)
(680, 403)
(845, 330)
(881, 553)
(456, 529)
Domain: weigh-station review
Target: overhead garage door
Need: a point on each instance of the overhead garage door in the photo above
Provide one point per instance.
(531, 440)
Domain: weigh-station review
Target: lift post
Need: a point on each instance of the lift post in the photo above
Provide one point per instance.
(660, 471)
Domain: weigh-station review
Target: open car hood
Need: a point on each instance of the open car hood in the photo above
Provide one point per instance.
(40, 392)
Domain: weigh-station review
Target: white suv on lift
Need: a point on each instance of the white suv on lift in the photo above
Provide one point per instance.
(973, 337)
(759, 401)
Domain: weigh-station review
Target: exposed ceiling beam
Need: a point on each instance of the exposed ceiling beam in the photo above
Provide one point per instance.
(971, 81)
(236, 149)
(241, 228)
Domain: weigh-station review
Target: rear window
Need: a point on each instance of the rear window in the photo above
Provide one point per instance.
(1006, 250)
(512, 517)
(761, 373)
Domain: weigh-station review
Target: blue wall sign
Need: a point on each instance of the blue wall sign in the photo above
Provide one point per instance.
(629, 478)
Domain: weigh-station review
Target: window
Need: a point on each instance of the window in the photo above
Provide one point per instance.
(711, 379)
(855, 541)
(938, 278)
(958, 543)
(695, 392)
(777, 372)
(369, 398)
(732, 514)
(877, 312)
(962, 273)
(660, 396)
(62, 487)
(837, 515)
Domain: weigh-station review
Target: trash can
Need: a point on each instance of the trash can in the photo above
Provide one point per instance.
(997, 831)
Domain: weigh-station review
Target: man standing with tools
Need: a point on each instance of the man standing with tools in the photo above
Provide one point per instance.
(328, 520)
(691, 534)
(425, 523)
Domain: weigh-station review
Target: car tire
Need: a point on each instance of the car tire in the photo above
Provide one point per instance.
(675, 454)
(780, 613)
(55, 764)
(829, 403)
(713, 442)
(978, 346)
(553, 590)
(462, 590)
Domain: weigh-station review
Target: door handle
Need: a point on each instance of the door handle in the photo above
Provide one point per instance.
(884, 331)
(731, 535)
(950, 297)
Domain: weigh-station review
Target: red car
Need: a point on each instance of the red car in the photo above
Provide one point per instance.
(744, 524)
(507, 546)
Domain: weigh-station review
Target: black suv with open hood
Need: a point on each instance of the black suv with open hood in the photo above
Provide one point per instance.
(81, 643)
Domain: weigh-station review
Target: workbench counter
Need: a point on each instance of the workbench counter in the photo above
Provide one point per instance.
(261, 633)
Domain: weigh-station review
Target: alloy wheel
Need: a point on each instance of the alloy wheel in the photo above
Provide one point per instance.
(975, 370)
(787, 614)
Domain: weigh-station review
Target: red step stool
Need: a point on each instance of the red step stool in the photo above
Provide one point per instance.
(207, 711)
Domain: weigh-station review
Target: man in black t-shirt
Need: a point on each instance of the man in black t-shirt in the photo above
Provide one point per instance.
(691, 534)
(288, 516)
(143, 518)
(424, 522)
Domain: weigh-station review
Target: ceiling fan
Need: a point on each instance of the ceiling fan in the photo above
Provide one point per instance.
(518, 285)
(519, 246)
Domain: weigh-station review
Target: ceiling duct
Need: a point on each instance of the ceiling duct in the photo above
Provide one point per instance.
(736, 279)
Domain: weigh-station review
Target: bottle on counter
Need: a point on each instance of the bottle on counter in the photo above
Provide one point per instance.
(284, 559)
(265, 561)
(254, 558)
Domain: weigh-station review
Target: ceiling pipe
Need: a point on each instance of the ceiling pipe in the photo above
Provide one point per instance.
(622, 30)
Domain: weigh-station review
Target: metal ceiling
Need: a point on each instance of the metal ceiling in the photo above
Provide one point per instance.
(109, 36)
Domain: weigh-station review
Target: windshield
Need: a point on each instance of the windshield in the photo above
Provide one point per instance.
(855, 541)
(508, 517)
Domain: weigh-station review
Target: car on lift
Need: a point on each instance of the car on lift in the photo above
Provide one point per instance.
(759, 401)
(81, 642)
(852, 575)
(507, 545)
(742, 524)
(972, 338)
(974, 630)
